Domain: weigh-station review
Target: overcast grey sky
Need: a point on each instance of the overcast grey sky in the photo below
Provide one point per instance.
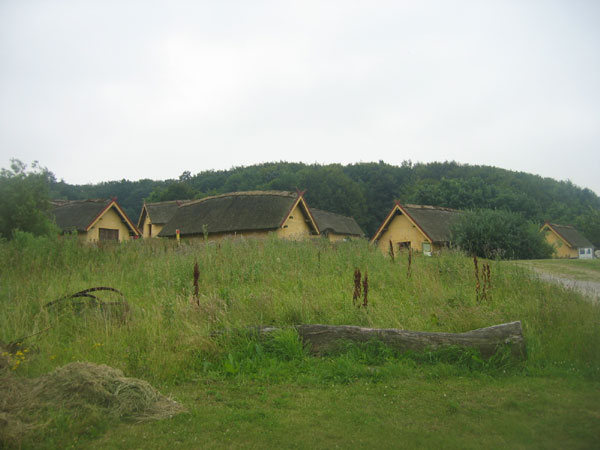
(105, 90)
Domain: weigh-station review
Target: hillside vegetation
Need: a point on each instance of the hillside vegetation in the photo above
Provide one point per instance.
(366, 191)
(203, 351)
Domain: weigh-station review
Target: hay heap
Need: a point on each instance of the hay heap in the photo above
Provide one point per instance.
(80, 388)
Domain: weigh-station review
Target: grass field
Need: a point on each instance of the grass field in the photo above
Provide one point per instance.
(244, 392)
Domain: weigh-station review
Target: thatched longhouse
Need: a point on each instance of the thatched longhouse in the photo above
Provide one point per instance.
(336, 227)
(253, 213)
(94, 220)
(567, 241)
(155, 216)
(417, 227)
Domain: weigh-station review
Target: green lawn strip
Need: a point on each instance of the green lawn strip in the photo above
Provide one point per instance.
(458, 412)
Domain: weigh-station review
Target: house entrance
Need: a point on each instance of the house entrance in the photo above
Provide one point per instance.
(403, 246)
(106, 234)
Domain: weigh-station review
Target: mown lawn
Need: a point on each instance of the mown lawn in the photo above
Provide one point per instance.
(415, 412)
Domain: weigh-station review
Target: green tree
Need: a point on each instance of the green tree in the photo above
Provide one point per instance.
(490, 233)
(588, 223)
(24, 199)
(178, 190)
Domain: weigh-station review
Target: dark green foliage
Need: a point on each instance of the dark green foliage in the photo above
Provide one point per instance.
(129, 194)
(588, 223)
(366, 191)
(178, 190)
(24, 200)
(494, 234)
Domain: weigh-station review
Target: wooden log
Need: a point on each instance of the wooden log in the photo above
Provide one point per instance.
(324, 338)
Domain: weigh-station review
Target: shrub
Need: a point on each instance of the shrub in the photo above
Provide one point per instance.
(24, 200)
(495, 234)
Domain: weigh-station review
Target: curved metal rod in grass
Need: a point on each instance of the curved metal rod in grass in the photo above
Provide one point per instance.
(95, 301)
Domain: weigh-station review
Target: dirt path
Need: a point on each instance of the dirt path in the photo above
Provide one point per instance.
(590, 289)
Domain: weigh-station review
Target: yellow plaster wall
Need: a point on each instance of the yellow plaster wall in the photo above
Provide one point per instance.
(561, 250)
(334, 237)
(156, 229)
(111, 220)
(146, 228)
(220, 236)
(244, 234)
(295, 227)
(400, 229)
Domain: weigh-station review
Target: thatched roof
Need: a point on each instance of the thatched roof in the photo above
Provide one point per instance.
(80, 215)
(434, 222)
(570, 235)
(235, 212)
(336, 223)
(160, 212)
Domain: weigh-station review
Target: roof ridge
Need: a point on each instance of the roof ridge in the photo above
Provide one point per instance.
(563, 226)
(241, 194)
(164, 202)
(330, 212)
(439, 208)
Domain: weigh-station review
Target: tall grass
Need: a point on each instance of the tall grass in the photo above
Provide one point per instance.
(169, 336)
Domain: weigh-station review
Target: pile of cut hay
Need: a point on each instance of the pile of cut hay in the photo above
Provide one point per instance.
(80, 389)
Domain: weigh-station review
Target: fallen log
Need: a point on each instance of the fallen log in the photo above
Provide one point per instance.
(324, 338)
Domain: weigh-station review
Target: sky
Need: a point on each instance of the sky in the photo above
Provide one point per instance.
(106, 90)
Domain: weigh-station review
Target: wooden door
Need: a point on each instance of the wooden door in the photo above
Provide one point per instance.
(107, 234)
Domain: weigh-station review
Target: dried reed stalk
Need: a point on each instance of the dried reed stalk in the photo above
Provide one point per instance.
(196, 287)
(365, 286)
(357, 287)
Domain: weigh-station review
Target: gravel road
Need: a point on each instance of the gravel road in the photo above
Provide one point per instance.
(590, 289)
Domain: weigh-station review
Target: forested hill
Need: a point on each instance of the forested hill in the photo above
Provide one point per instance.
(366, 191)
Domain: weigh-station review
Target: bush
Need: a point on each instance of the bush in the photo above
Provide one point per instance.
(24, 200)
(499, 234)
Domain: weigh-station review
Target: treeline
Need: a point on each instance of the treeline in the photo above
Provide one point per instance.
(366, 191)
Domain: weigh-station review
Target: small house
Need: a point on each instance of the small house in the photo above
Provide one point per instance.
(336, 227)
(567, 241)
(420, 228)
(94, 220)
(249, 214)
(154, 216)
